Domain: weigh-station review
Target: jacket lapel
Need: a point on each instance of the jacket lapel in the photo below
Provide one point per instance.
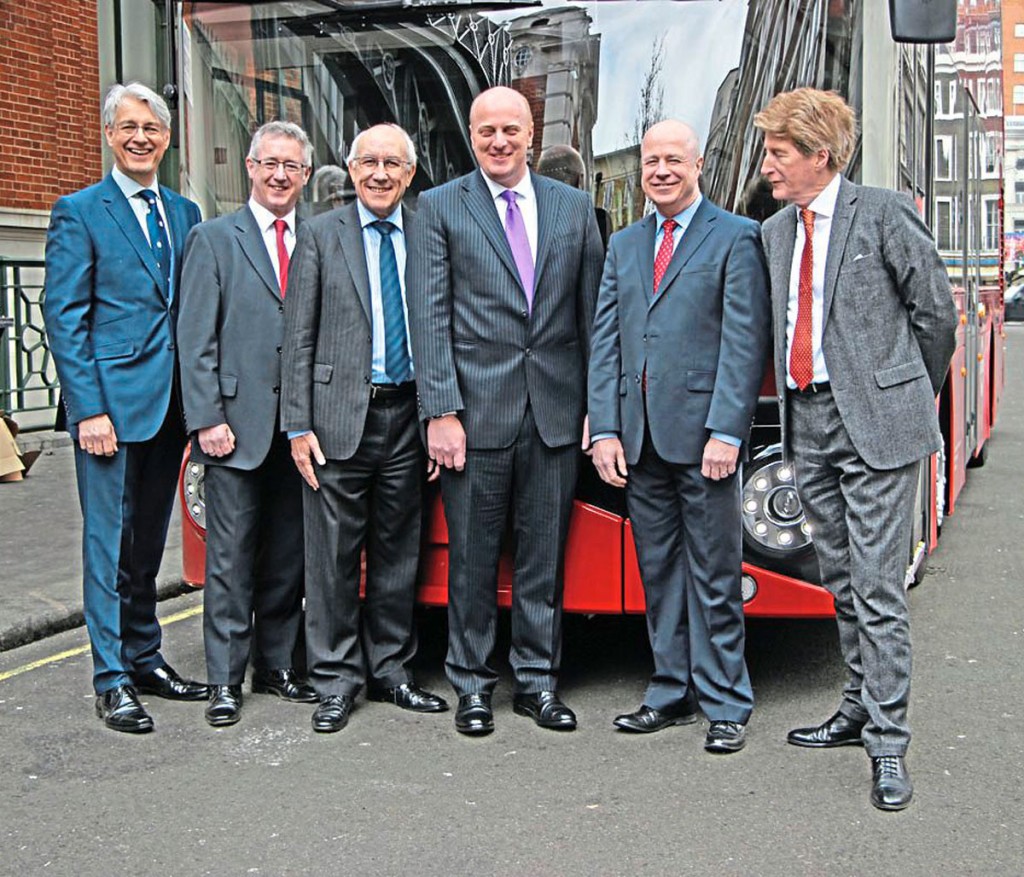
(350, 235)
(648, 232)
(783, 243)
(250, 239)
(842, 220)
(698, 229)
(549, 208)
(123, 215)
(481, 207)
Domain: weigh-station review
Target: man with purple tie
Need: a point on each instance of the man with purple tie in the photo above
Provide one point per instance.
(503, 273)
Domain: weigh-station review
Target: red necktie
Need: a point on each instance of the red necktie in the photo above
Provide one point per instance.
(801, 353)
(282, 254)
(664, 252)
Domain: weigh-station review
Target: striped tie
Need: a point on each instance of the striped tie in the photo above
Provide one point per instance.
(396, 348)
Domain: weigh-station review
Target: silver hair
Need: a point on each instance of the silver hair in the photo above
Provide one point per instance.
(410, 147)
(279, 128)
(118, 93)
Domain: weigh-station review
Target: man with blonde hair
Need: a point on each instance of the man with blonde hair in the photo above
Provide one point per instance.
(864, 327)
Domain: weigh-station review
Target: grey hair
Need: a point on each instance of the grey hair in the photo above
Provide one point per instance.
(410, 147)
(279, 128)
(118, 93)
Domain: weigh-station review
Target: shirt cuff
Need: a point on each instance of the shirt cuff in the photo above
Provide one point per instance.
(728, 439)
(295, 433)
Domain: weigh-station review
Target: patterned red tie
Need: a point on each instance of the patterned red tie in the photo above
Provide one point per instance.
(664, 252)
(801, 353)
(282, 254)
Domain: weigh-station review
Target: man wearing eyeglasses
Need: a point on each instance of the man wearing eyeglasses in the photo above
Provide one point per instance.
(349, 405)
(231, 332)
(113, 259)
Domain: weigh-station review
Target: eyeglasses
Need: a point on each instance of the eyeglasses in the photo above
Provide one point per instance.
(129, 129)
(369, 163)
(292, 168)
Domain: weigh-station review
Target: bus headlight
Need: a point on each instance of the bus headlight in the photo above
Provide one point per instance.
(772, 514)
(195, 493)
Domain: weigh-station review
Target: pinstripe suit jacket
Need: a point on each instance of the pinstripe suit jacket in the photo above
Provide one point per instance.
(477, 349)
(889, 321)
(328, 351)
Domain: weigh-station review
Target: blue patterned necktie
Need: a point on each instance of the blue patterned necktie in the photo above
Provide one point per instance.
(396, 348)
(158, 239)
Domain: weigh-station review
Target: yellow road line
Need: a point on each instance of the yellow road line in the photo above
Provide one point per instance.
(81, 650)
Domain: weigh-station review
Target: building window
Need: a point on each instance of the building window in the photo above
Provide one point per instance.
(1018, 62)
(1018, 31)
(944, 223)
(990, 234)
(1018, 225)
(1018, 94)
(944, 157)
(1018, 193)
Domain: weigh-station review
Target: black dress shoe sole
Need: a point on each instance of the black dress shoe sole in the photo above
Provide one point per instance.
(724, 747)
(562, 725)
(475, 729)
(890, 808)
(625, 725)
(825, 744)
(140, 727)
(384, 697)
(313, 697)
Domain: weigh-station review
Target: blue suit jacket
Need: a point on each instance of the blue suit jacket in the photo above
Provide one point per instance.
(109, 315)
(703, 339)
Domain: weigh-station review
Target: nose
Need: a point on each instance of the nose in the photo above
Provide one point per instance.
(280, 173)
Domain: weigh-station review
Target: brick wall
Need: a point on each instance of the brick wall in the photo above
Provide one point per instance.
(534, 89)
(49, 101)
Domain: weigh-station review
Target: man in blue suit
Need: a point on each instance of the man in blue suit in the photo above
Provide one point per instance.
(113, 257)
(678, 351)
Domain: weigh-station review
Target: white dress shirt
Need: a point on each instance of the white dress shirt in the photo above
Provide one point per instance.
(823, 207)
(265, 220)
(526, 200)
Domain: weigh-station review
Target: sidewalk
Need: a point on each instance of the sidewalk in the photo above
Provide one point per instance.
(41, 547)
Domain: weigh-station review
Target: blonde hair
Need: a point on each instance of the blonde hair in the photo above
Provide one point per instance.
(812, 119)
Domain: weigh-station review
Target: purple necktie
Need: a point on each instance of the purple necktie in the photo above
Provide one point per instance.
(515, 231)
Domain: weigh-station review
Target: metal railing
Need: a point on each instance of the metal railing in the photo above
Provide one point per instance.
(28, 377)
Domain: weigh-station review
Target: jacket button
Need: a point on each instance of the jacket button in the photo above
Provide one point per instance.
(366, 380)
(524, 314)
(277, 390)
(528, 352)
(637, 377)
(279, 349)
(170, 345)
(280, 309)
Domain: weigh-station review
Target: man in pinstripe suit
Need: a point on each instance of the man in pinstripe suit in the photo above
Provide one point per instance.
(349, 405)
(503, 275)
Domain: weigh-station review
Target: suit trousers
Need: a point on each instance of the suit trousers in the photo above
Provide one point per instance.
(862, 520)
(126, 505)
(538, 482)
(374, 500)
(689, 543)
(254, 565)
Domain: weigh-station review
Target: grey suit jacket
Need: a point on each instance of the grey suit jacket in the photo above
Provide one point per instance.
(889, 321)
(230, 333)
(328, 350)
(476, 348)
(703, 339)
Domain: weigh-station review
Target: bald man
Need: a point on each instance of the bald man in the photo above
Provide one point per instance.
(679, 346)
(503, 272)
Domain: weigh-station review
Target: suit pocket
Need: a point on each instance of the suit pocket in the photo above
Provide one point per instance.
(114, 350)
(322, 372)
(700, 382)
(228, 386)
(865, 262)
(900, 374)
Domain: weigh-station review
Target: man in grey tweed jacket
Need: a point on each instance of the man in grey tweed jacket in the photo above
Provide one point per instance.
(864, 325)
(503, 273)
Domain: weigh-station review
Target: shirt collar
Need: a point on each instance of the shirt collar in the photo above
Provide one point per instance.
(683, 217)
(366, 217)
(265, 219)
(524, 187)
(825, 202)
(130, 187)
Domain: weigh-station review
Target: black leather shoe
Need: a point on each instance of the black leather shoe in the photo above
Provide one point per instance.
(286, 684)
(332, 713)
(546, 710)
(474, 715)
(891, 788)
(121, 711)
(725, 737)
(839, 730)
(225, 706)
(647, 719)
(165, 682)
(409, 696)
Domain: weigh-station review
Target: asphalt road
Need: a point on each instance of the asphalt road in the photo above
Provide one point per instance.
(398, 794)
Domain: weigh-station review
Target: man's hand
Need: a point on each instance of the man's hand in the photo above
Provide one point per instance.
(719, 459)
(610, 461)
(96, 436)
(216, 441)
(446, 442)
(306, 449)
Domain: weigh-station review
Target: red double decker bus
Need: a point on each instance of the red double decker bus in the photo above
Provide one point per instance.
(596, 74)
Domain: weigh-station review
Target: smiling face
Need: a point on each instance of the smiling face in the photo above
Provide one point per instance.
(138, 140)
(279, 189)
(381, 170)
(671, 164)
(501, 130)
(796, 176)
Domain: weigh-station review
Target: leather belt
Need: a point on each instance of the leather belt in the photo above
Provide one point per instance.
(382, 392)
(811, 389)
